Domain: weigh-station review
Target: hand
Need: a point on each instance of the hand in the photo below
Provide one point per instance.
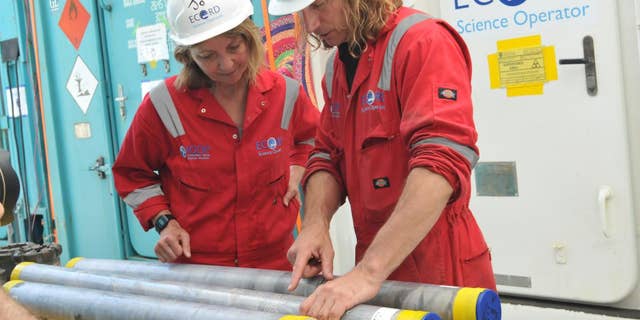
(174, 242)
(311, 254)
(295, 175)
(332, 299)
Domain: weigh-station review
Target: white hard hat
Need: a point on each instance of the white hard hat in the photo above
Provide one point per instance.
(282, 7)
(194, 21)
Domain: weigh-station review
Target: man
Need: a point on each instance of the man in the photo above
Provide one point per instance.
(397, 136)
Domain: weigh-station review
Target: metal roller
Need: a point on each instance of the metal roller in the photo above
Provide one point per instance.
(70, 303)
(232, 297)
(450, 303)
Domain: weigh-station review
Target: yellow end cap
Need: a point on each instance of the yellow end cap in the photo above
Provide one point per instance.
(465, 302)
(410, 315)
(296, 317)
(10, 284)
(15, 274)
(72, 262)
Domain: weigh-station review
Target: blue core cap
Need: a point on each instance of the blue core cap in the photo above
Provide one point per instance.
(488, 306)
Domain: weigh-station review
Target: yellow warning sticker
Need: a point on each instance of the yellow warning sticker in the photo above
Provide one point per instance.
(522, 66)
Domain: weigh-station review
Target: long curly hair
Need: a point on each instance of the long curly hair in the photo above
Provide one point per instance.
(192, 77)
(364, 19)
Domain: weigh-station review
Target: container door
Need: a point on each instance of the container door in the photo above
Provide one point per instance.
(552, 189)
(78, 130)
(139, 55)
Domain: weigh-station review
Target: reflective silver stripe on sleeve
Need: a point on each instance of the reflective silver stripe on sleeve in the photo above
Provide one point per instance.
(463, 150)
(311, 142)
(290, 97)
(384, 82)
(322, 155)
(328, 72)
(138, 196)
(166, 109)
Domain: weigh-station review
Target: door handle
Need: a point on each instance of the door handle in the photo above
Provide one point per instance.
(589, 61)
(120, 99)
(101, 169)
(604, 194)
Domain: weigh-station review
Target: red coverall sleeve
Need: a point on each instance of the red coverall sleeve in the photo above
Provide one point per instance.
(143, 151)
(432, 57)
(326, 155)
(303, 124)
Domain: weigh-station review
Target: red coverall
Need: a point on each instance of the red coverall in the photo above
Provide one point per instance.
(224, 185)
(369, 139)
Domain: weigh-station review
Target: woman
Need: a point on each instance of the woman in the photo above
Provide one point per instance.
(214, 155)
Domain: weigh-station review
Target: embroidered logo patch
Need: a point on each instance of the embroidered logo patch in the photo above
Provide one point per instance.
(335, 110)
(269, 146)
(196, 152)
(379, 183)
(448, 94)
(372, 101)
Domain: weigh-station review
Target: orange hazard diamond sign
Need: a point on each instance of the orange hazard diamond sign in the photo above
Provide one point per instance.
(74, 21)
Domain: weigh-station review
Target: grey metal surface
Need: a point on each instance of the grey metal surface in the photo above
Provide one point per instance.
(513, 280)
(496, 179)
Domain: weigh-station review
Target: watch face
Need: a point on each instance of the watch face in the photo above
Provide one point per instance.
(162, 222)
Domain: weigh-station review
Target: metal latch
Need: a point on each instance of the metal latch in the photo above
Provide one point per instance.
(101, 169)
(589, 61)
(120, 99)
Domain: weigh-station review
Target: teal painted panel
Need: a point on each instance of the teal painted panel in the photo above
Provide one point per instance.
(9, 25)
(79, 129)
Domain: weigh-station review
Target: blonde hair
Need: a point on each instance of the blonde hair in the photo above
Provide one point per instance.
(365, 19)
(192, 77)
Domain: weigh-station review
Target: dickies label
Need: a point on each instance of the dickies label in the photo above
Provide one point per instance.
(448, 94)
(379, 183)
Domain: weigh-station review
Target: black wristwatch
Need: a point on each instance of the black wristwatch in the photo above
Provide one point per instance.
(163, 221)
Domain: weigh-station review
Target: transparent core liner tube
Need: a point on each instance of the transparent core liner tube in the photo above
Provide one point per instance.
(450, 303)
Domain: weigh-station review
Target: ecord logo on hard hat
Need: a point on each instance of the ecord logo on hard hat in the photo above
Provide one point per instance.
(204, 14)
(195, 21)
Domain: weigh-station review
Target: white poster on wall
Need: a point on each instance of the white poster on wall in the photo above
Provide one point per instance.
(16, 101)
(151, 42)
